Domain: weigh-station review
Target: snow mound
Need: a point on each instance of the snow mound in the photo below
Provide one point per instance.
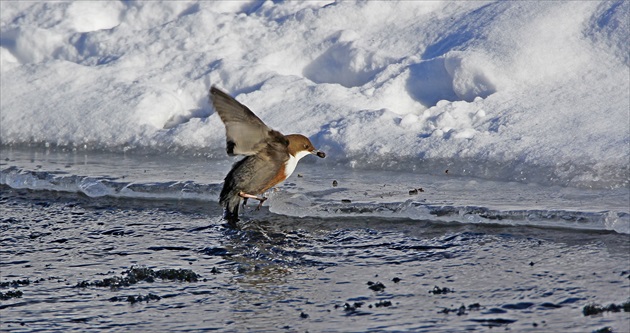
(528, 91)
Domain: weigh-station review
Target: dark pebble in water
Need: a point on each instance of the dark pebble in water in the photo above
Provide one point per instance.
(531, 263)
(593, 309)
(136, 299)
(459, 311)
(335, 183)
(303, 315)
(346, 200)
(138, 274)
(15, 283)
(378, 286)
(383, 304)
(10, 294)
(416, 191)
(214, 270)
(438, 291)
(396, 279)
(351, 307)
(474, 306)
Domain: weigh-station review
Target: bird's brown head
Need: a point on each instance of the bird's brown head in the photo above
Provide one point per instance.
(300, 146)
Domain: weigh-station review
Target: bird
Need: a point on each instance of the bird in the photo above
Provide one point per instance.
(270, 156)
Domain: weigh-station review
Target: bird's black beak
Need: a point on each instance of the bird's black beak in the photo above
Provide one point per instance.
(320, 154)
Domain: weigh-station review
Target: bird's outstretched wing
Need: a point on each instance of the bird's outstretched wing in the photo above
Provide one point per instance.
(246, 134)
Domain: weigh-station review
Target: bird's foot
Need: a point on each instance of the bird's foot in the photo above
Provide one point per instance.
(262, 199)
(246, 196)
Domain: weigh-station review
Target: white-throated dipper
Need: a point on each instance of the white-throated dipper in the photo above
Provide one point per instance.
(270, 156)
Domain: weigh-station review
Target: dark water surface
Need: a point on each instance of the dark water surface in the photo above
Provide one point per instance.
(101, 245)
(290, 274)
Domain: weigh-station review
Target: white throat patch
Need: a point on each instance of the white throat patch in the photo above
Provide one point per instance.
(290, 165)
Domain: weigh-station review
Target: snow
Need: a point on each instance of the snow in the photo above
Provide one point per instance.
(524, 91)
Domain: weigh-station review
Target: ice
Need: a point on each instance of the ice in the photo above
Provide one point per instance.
(515, 91)
(362, 194)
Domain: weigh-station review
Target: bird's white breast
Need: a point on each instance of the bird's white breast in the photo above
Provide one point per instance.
(290, 165)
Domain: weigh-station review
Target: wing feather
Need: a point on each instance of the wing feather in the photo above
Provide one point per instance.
(246, 134)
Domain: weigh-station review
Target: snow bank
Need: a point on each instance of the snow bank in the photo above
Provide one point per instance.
(528, 91)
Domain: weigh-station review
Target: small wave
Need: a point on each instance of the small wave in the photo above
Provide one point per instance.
(105, 186)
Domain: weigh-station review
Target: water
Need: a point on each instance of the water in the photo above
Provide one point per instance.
(525, 258)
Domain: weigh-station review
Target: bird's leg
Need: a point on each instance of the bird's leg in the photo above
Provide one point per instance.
(248, 196)
(262, 199)
(244, 202)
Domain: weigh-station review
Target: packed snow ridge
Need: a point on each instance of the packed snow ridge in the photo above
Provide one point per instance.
(526, 91)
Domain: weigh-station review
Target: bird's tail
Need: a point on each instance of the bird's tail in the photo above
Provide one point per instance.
(231, 203)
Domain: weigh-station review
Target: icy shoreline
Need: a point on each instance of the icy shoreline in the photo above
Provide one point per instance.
(310, 192)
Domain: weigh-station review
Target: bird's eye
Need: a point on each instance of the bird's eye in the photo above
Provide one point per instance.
(305, 146)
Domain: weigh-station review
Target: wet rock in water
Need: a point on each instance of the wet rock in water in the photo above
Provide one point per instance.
(303, 315)
(346, 200)
(439, 291)
(594, 309)
(531, 263)
(139, 274)
(214, 270)
(140, 298)
(10, 294)
(383, 304)
(15, 283)
(376, 286)
(606, 329)
(415, 191)
(351, 307)
(474, 307)
(462, 309)
(459, 311)
(396, 279)
(335, 183)
(177, 274)
(136, 298)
